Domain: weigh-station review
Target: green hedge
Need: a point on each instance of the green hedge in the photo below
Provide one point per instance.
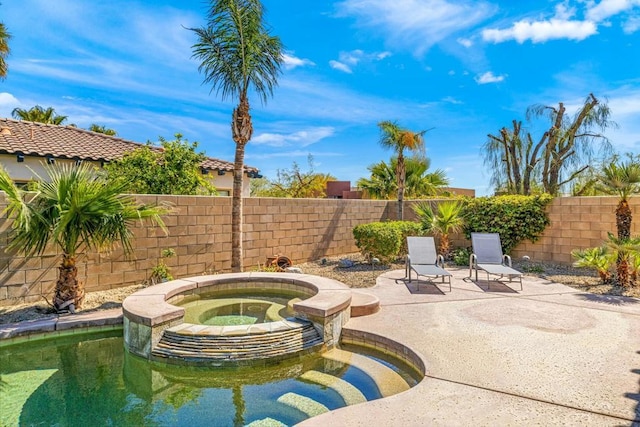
(385, 240)
(515, 218)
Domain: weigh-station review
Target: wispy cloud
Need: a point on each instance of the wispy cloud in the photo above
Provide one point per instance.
(302, 138)
(291, 61)
(415, 25)
(608, 8)
(348, 60)
(489, 77)
(465, 42)
(452, 100)
(8, 102)
(293, 154)
(631, 25)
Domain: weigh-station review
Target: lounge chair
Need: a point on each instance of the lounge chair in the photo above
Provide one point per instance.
(424, 260)
(487, 256)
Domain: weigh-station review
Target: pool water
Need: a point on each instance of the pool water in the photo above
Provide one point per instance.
(244, 310)
(90, 380)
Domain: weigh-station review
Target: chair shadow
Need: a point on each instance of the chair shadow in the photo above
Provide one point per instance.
(492, 285)
(616, 300)
(423, 287)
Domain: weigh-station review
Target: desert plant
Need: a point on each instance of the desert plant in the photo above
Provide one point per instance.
(441, 220)
(161, 272)
(623, 251)
(599, 259)
(74, 209)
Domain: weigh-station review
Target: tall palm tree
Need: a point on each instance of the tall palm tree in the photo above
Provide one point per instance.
(237, 53)
(74, 210)
(4, 50)
(383, 183)
(442, 221)
(623, 180)
(39, 114)
(398, 139)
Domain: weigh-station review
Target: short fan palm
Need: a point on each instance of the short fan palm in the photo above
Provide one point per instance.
(443, 220)
(75, 209)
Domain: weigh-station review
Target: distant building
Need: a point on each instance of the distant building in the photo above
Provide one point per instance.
(343, 190)
(27, 145)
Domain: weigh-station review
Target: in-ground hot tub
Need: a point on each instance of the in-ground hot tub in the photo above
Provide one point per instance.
(324, 303)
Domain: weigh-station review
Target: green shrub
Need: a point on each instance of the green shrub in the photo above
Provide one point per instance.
(461, 256)
(515, 218)
(406, 229)
(384, 240)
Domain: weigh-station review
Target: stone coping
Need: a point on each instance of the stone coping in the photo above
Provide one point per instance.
(150, 306)
(237, 330)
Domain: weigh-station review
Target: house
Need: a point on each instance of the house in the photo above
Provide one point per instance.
(26, 146)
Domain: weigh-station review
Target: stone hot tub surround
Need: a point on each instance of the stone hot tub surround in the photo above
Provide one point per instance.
(326, 303)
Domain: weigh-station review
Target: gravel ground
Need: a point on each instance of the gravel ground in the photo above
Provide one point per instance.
(360, 275)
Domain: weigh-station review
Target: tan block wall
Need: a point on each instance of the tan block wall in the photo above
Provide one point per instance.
(301, 229)
(577, 223)
(200, 233)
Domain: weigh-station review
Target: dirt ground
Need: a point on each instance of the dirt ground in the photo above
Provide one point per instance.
(360, 274)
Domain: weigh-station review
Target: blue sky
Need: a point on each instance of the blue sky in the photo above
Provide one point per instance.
(462, 69)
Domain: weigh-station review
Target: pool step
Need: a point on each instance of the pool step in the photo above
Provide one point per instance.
(213, 346)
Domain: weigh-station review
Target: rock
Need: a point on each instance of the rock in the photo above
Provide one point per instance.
(345, 263)
(293, 270)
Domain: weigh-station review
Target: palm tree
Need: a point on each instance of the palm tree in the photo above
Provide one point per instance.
(600, 259)
(623, 180)
(398, 139)
(4, 50)
(624, 251)
(442, 221)
(75, 210)
(102, 129)
(237, 53)
(383, 183)
(39, 114)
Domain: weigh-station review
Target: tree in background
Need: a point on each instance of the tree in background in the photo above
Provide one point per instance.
(39, 114)
(419, 183)
(102, 129)
(74, 210)
(175, 169)
(237, 53)
(519, 164)
(398, 139)
(4, 50)
(294, 183)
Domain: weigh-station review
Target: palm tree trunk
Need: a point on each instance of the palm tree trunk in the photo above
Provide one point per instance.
(623, 220)
(400, 172)
(69, 293)
(242, 129)
(445, 245)
(622, 267)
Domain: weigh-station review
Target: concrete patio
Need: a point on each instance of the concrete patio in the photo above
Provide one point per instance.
(547, 355)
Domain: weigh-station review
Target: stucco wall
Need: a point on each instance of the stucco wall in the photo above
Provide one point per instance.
(301, 229)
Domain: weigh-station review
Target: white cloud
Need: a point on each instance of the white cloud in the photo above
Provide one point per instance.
(300, 138)
(348, 60)
(7, 103)
(415, 25)
(541, 31)
(631, 25)
(452, 100)
(451, 73)
(608, 8)
(340, 66)
(489, 77)
(291, 62)
(465, 42)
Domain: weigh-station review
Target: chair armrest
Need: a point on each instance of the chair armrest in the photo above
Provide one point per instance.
(507, 260)
(440, 261)
(473, 260)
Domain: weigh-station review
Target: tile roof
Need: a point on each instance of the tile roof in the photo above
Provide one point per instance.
(68, 142)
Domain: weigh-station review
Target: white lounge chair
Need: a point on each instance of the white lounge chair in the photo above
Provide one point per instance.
(487, 256)
(424, 260)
